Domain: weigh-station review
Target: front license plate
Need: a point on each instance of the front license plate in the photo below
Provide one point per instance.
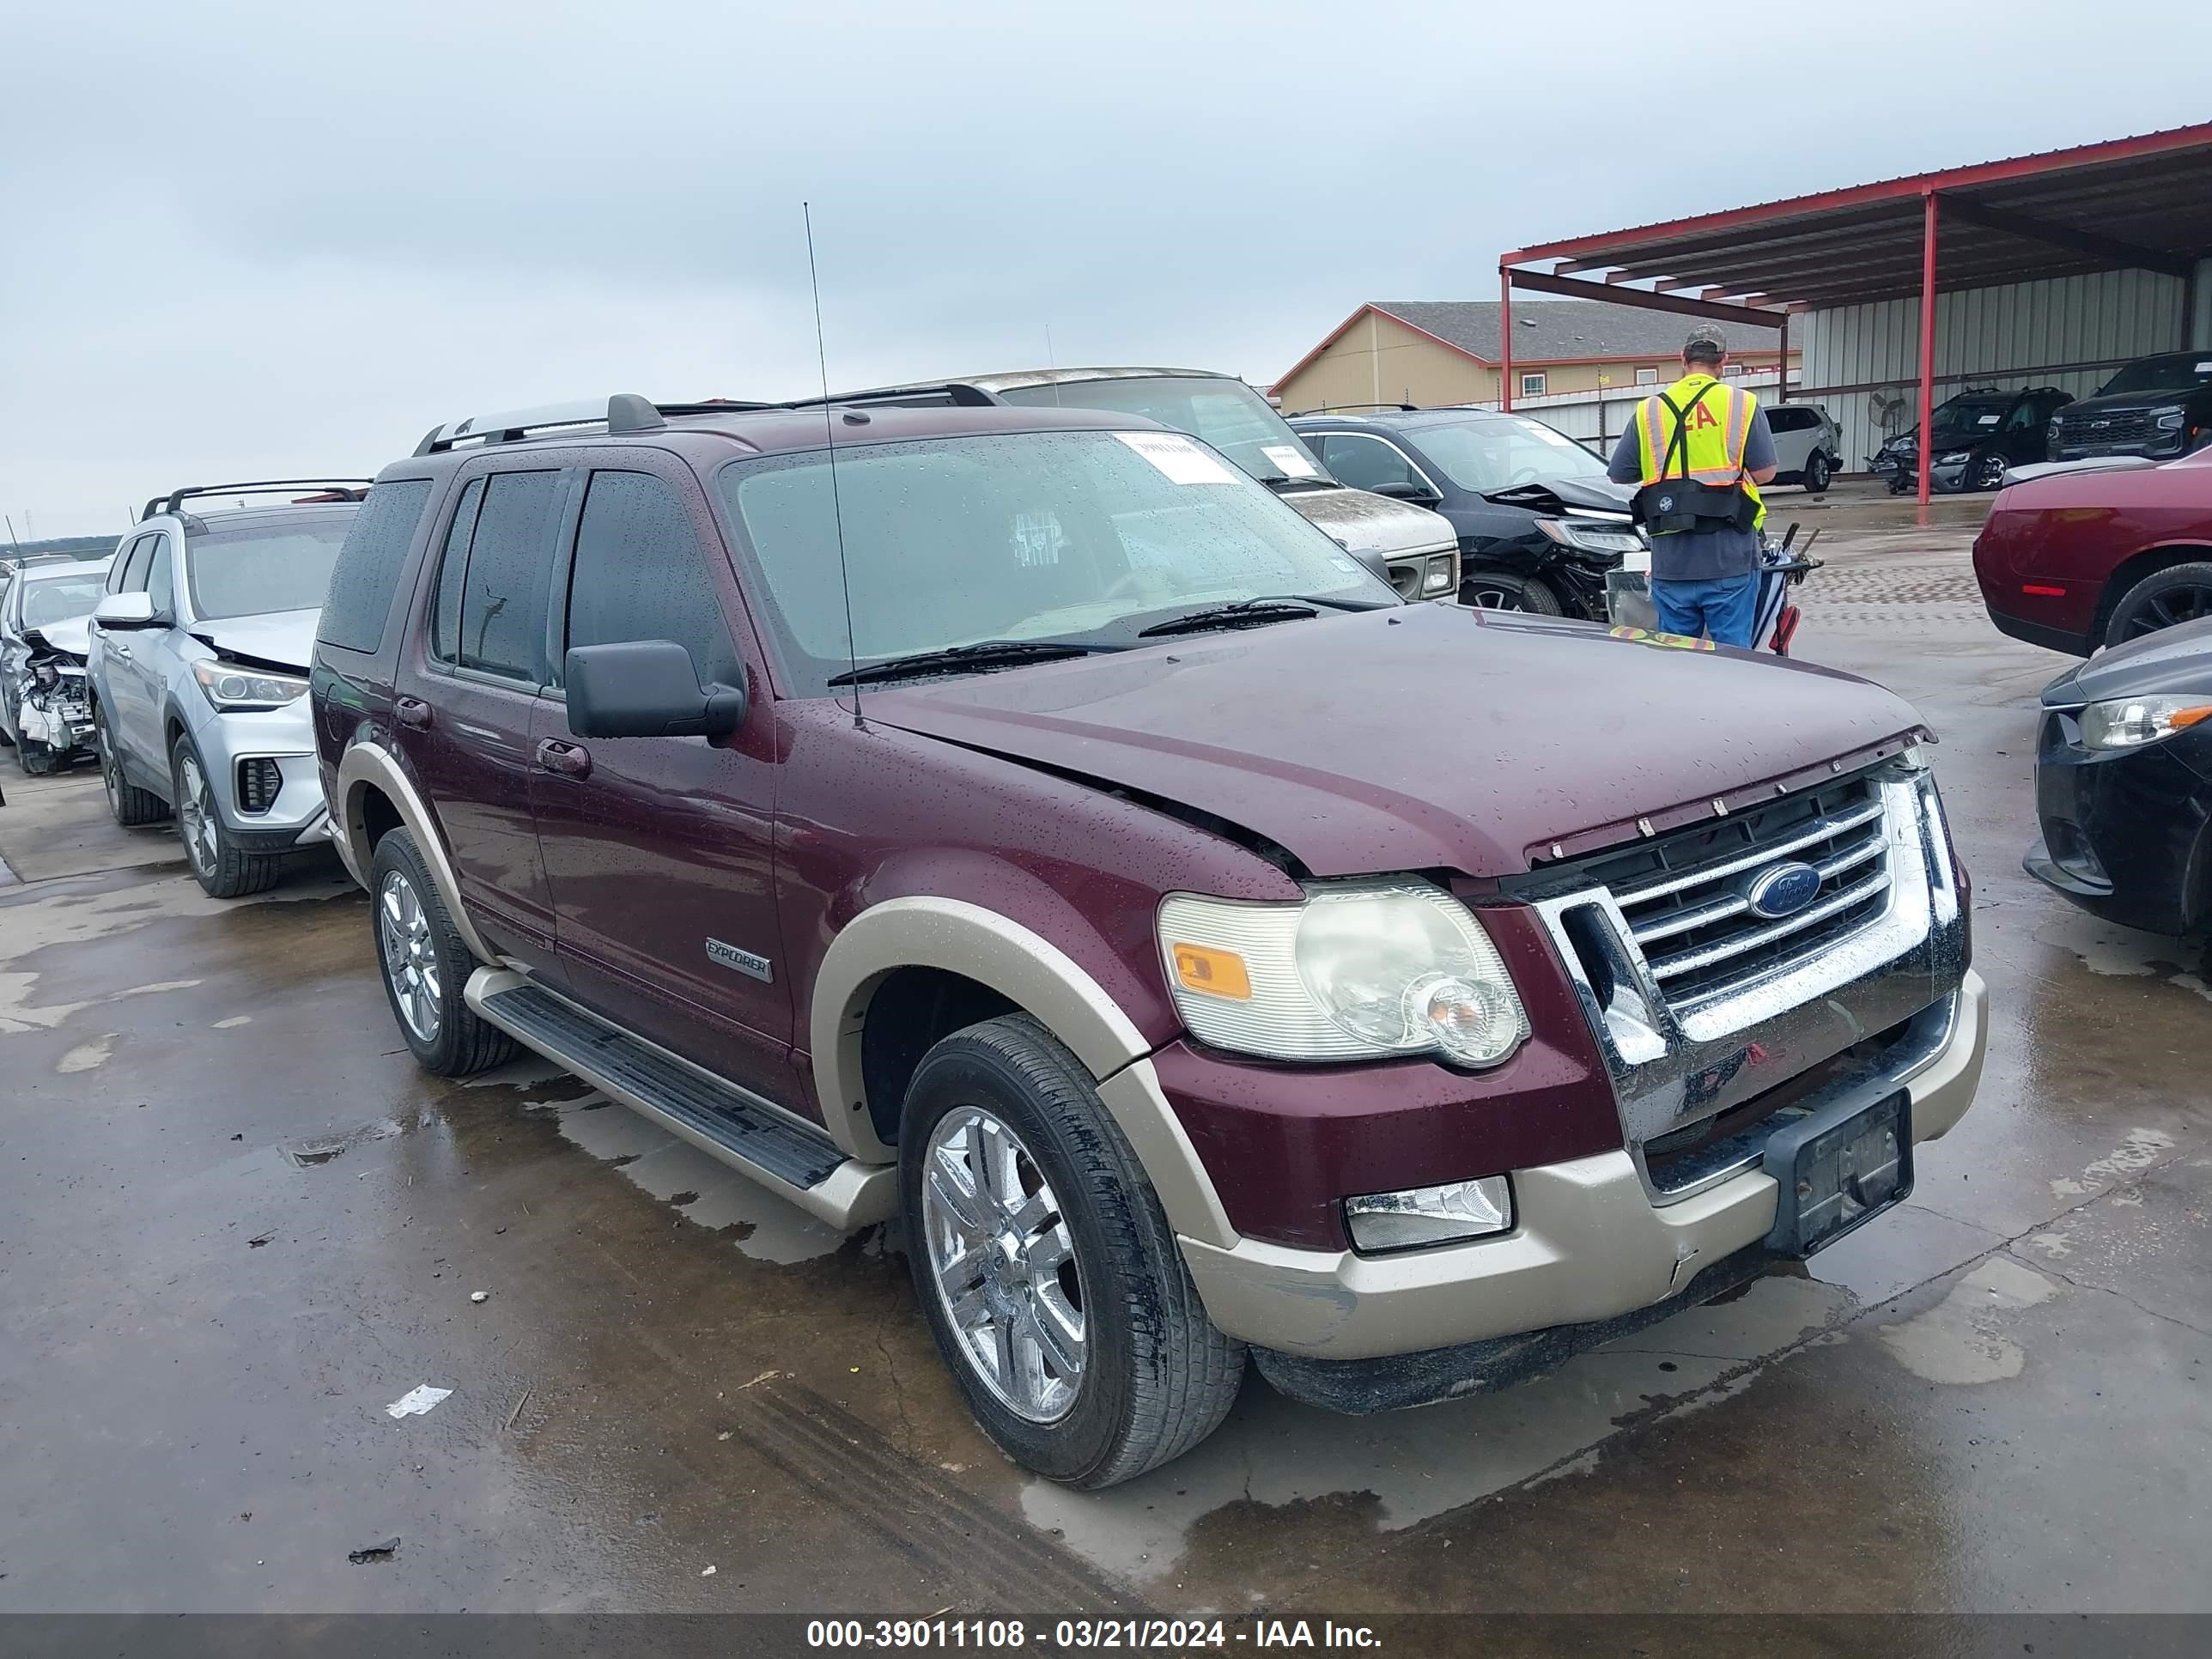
(1837, 1172)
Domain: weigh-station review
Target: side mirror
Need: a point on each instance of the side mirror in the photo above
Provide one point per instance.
(1419, 494)
(125, 611)
(646, 688)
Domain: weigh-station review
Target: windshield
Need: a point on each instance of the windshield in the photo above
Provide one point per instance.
(1068, 536)
(254, 572)
(1228, 414)
(57, 598)
(1965, 418)
(1496, 452)
(2176, 372)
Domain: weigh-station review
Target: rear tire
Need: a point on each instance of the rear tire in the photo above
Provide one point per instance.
(2180, 593)
(223, 869)
(1001, 1111)
(424, 964)
(1816, 474)
(130, 807)
(1490, 589)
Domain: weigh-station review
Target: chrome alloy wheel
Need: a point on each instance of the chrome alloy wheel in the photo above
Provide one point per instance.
(196, 813)
(1003, 1261)
(111, 769)
(411, 955)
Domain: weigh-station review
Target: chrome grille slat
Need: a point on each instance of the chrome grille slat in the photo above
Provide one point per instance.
(1705, 915)
(1825, 829)
(1667, 967)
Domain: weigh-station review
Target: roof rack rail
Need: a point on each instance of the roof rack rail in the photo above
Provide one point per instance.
(623, 412)
(349, 489)
(1346, 409)
(960, 394)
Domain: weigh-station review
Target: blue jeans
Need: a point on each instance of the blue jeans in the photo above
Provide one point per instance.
(1725, 610)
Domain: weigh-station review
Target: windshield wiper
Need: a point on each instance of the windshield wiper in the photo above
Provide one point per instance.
(1239, 612)
(962, 659)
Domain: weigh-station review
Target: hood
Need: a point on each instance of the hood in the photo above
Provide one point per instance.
(1426, 736)
(1363, 522)
(1556, 495)
(71, 636)
(280, 639)
(2126, 402)
(2175, 661)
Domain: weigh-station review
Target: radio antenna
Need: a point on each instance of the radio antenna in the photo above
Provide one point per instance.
(829, 440)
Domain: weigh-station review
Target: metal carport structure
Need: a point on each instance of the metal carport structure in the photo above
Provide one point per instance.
(2141, 204)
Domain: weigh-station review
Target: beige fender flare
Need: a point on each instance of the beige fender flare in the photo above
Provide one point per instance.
(1038, 977)
(367, 765)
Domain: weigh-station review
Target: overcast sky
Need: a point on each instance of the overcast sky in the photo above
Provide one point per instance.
(273, 240)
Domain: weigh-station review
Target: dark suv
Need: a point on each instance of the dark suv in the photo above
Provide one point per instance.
(2157, 406)
(1023, 823)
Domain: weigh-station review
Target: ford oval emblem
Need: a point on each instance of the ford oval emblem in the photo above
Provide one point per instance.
(1782, 889)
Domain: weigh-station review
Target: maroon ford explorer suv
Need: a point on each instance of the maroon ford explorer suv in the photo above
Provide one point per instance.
(1021, 823)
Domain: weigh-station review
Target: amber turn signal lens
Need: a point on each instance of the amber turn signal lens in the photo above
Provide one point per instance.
(2190, 716)
(1217, 973)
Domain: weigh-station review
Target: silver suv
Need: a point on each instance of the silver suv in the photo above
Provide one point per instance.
(199, 673)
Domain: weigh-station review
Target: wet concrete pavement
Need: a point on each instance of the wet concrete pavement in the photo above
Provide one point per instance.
(237, 1224)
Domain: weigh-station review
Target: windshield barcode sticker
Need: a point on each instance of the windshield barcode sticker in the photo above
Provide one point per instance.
(1178, 459)
(1290, 458)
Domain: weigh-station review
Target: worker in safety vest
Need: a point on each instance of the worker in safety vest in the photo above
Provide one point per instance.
(1700, 449)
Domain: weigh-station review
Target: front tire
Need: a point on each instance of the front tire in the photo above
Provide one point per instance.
(1986, 472)
(424, 963)
(130, 807)
(2179, 594)
(1047, 1272)
(223, 869)
(35, 758)
(1501, 590)
(1816, 474)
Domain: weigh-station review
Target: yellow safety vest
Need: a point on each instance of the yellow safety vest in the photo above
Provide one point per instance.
(1711, 450)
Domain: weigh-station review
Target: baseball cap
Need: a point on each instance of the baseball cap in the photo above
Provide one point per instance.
(1706, 339)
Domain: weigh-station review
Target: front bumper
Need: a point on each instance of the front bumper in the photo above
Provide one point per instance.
(1589, 1245)
(284, 739)
(2127, 833)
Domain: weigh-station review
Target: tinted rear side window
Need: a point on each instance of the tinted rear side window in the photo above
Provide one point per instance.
(640, 573)
(368, 571)
(501, 620)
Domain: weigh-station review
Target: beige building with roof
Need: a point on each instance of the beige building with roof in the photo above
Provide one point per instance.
(1431, 351)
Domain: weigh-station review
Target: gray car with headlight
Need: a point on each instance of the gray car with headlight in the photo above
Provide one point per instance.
(199, 649)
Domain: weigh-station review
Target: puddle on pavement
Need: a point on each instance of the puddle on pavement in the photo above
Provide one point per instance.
(1965, 1338)
(712, 1194)
(2122, 952)
(1419, 1464)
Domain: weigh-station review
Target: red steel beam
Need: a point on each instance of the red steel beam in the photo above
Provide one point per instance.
(1926, 339)
(1989, 172)
(1509, 279)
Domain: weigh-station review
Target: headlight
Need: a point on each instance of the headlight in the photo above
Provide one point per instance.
(1357, 970)
(2170, 421)
(228, 685)
(2131, 722)
(1956, 458)
(1591, 536)
(1440, 574)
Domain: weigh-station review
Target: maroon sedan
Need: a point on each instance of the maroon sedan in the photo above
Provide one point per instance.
(2079, 559)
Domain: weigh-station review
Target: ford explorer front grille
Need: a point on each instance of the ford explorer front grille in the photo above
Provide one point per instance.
(1694, 902)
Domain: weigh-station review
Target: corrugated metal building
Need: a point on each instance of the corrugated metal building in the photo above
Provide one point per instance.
(1862, 361)
(2049, 269)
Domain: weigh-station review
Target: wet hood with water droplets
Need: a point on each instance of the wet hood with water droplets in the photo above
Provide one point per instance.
(1430, 736)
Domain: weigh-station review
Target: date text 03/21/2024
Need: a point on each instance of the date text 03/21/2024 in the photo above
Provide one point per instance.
(1010, 1635)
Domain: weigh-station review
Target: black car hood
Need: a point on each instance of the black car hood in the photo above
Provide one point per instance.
(2130, 402)
(2175, 661)
(1566, 496)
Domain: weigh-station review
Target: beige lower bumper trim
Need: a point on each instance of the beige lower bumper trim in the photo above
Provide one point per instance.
(1588, 1245)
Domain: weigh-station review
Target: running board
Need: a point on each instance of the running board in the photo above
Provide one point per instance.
(788, 1156)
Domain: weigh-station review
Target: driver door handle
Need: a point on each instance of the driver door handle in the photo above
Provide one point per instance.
(410, 711)
(570, 760)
